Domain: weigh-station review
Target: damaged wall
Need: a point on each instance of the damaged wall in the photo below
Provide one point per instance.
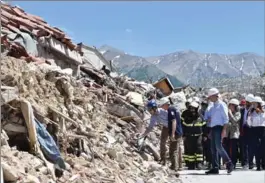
(55, 58)
(92, 56)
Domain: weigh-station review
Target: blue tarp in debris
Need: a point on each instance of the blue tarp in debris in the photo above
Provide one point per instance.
(47, 144)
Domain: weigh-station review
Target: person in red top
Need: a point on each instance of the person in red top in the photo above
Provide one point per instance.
(243, 103)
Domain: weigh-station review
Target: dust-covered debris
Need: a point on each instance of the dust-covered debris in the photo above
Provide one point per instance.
(96, 139)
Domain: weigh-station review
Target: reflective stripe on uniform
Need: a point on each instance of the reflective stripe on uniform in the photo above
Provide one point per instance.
(199, 157)
(189, 158)
(196, 124)
(200, 124)
(185, 124)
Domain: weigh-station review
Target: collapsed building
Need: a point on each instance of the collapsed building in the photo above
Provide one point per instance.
(65, 116)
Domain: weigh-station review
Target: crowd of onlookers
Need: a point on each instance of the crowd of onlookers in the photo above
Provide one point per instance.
(245, 134)
(213, 130)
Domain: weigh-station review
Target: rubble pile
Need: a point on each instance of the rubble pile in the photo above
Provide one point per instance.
(66, 116)
(94, 128)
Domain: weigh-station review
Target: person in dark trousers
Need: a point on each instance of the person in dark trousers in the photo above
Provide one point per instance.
(246, 160)
(233, 128)
(218, 119)
(204, 106)
(185, 114)
(207, 140)
(193, 132)
(256, 122)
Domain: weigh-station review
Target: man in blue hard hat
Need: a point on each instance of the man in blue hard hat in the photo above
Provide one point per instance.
(158, 116)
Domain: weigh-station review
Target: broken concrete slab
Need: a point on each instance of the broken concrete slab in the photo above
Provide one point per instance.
(8, 94)
(10, 174)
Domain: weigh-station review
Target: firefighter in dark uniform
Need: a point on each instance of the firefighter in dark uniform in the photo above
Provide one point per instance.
(193, 132)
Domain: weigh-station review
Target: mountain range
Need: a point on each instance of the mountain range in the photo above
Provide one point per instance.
(185, 67)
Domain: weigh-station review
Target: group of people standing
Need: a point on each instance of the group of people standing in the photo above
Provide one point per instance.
(212, 130)
(242, 132)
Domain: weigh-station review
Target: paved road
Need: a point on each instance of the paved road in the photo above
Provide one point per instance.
(238, 176)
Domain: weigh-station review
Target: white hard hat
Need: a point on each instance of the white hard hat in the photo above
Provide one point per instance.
(163, 101)
(234, 101)
(250, 98)
(189, 100)
(257, 99)
(213, 91)
(194, 104)
(263, 103)
(196, 99)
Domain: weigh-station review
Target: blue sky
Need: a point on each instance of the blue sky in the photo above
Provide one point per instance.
(156, 28)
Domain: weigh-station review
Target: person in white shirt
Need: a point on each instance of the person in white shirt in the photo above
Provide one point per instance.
(256, 122)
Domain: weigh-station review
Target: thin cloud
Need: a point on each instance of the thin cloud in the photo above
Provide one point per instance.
(128, 30)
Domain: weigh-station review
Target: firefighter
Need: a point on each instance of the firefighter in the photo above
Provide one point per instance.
(193, 131)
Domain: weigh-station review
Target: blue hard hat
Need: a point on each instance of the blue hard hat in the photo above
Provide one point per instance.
(151, 104)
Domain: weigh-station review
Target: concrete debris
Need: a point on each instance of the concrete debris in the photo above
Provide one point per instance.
(8, 94)
(70, 94)
(8, 173)
(94, 127)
